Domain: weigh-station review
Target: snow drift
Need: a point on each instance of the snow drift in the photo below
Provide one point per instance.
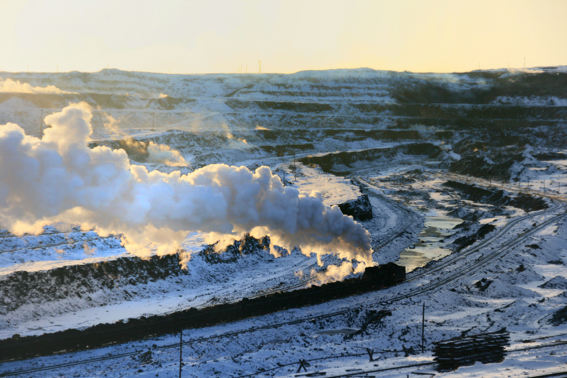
(60, 179)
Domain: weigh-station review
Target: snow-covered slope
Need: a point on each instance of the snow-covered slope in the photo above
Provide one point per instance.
(392, 128)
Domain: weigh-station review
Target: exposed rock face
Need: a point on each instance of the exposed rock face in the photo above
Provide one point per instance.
(556, 282)
(337, 162)
(233, 252)
(559, 317)
(82, 281)
(92, 284)
(360, 209)
(465, 241)
(497, 197)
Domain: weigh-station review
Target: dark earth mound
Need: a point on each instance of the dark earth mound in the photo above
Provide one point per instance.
(360, 209)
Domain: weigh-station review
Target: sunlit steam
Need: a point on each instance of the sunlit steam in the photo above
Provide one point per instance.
(111, 125)
(151, 152)
(11, 86)
(161, 153)
(60, 179)
(337, 272)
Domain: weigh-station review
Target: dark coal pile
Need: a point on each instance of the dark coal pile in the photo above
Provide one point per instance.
(360, 209)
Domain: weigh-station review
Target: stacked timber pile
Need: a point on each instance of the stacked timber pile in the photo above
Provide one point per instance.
(463, 351)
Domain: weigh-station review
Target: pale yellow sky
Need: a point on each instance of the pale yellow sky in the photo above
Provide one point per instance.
(209, 36)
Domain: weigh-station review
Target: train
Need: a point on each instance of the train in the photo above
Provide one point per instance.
(373, 278)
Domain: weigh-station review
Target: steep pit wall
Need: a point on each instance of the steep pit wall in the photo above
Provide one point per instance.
(117, 276)
(336, 162)
(497, 197)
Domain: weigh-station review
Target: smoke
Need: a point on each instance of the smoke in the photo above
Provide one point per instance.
(161, 153)
(234, 142)
(11, 86)
(111, 125)
(337, 272)
(150, 152)
(60, 179)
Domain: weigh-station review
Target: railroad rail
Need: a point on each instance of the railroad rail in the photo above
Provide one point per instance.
(410, 218)
(505, 247)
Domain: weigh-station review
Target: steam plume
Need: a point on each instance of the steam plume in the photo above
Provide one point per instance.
(337, 272)
(11, 86)
(60, 179)
(156, 153)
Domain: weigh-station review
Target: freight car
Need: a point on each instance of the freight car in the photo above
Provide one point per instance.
(374, 278)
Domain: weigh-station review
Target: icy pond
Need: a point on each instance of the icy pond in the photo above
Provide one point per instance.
(430, 244)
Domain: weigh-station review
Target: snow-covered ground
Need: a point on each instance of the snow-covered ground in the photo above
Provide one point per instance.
(481, 264)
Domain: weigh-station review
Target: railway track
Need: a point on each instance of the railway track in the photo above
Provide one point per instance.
(412, 366)
(485, 259)
(409, 219)
(555, 343)
(449, 260)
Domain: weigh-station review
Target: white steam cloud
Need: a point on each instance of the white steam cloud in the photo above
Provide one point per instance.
(157, 153)
(60, 179)
(11, 86)
(337, 272)
(161, 153)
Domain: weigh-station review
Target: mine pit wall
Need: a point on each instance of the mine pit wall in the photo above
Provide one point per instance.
(116, 276)
(497, 197)
(327, 162)
(80, 281)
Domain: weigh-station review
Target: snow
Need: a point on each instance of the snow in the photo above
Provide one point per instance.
(519, 290)
(334, 189)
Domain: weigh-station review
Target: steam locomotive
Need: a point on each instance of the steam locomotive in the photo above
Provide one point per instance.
(374, 278)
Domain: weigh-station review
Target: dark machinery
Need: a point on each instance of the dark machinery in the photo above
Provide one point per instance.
(374, 278)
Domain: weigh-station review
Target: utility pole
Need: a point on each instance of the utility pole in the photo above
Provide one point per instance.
(423, 329)
(180, 350)
(246, 69)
